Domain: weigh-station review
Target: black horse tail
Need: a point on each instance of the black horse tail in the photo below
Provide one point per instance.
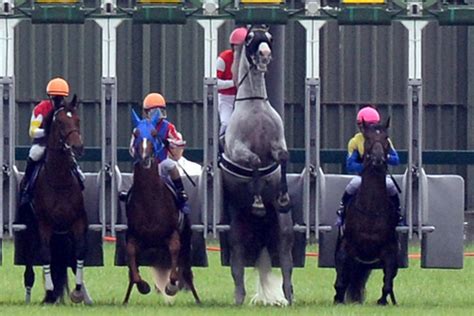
(61, 254)
(358, 279)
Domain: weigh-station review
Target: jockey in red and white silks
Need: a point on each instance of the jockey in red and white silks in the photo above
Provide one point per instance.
(225, 84)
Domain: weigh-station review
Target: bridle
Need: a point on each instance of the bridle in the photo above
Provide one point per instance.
(252, 60)
(63, 138)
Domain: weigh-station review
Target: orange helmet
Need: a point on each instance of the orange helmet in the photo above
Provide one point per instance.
(57, 86)
(153, 100)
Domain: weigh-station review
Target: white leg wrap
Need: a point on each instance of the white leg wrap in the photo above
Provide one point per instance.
(28, 294)
(79, 272)
(48, 281)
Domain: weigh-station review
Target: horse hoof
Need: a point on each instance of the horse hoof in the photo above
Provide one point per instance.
(382, 302)
(49, 298)
(76, 296)
(171, 289)
(143, 287)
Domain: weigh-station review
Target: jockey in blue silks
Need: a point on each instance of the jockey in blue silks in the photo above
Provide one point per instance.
(355, 152)
(152, 104)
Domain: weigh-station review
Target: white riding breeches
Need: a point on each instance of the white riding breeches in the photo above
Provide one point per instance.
(166, 166)
(226, 107)
(37, 152)
(354, 185)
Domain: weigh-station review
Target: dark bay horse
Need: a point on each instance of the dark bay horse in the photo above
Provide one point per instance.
(154, 220)
(369, 239)
(58, 208)
(254, 178)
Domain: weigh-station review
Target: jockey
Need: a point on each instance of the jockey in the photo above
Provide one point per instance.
(355, 151)
(57, 89)
(154, 102)
(225, 84)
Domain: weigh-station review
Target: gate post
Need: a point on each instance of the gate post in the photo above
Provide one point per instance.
(7, 121)
(312, 193)
(109, 168)
(416, 176)
(211, 197)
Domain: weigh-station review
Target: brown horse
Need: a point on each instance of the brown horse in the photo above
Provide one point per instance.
(58, 207)
(370, 239)
(154, 221)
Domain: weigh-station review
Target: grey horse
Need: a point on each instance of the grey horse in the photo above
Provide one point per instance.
(257, 203)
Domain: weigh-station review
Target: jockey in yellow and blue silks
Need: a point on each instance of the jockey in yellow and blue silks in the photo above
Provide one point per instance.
(355, 152)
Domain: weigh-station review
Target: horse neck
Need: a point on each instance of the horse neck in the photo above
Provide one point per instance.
(145, 180)
(58, 160)
(373, 188)
(253, 85)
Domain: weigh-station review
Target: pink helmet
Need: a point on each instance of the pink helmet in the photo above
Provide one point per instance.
(368, 115)
(237, 37)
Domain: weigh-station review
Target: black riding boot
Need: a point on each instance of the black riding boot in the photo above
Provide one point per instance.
(396, 204)
(181, 194)
(342, 205)
(26, 187)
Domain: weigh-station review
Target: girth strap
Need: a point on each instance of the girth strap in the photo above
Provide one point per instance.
(244, 172)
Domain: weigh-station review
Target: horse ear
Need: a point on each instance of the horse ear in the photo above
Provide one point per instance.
(135, 118)
(387, 124)
(73, 103)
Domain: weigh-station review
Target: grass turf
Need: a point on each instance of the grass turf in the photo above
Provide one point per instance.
(418, 291)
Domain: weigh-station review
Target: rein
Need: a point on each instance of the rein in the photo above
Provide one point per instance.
(242, 81)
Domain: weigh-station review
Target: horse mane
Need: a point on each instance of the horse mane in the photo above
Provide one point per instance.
(48, 122)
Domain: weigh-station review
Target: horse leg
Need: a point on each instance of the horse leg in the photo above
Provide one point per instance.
(29, 280)
(134, 275)
(79, 232)
(342, 278)
(256, 189)
(174, 246)
(390, 270)
(46, 233)
(237, 263)
(285, 252)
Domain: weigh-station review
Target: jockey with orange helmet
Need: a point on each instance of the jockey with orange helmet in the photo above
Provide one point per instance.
(355, 151)
(152, 104)
(225, 84)
(57, 90)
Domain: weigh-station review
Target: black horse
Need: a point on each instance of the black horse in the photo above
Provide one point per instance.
(369, 239)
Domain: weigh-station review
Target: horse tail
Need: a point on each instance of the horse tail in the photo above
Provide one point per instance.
(269, 285)
(161, 276)
(60, 244)
(358, 279)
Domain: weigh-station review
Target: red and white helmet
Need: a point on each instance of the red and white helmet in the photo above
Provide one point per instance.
(237, 37)
(369, 115)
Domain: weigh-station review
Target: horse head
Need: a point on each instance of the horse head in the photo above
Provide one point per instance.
(64, 129)
(376, 145)
(258, 47)
(146, 144)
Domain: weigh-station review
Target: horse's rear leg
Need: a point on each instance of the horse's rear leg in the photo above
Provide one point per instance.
(285, 253)
(238, 270)
(29, 280)
(174, 246)
(46, 233)
(342, 278)
(79, 232)
(390, 270)
(134, 275)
